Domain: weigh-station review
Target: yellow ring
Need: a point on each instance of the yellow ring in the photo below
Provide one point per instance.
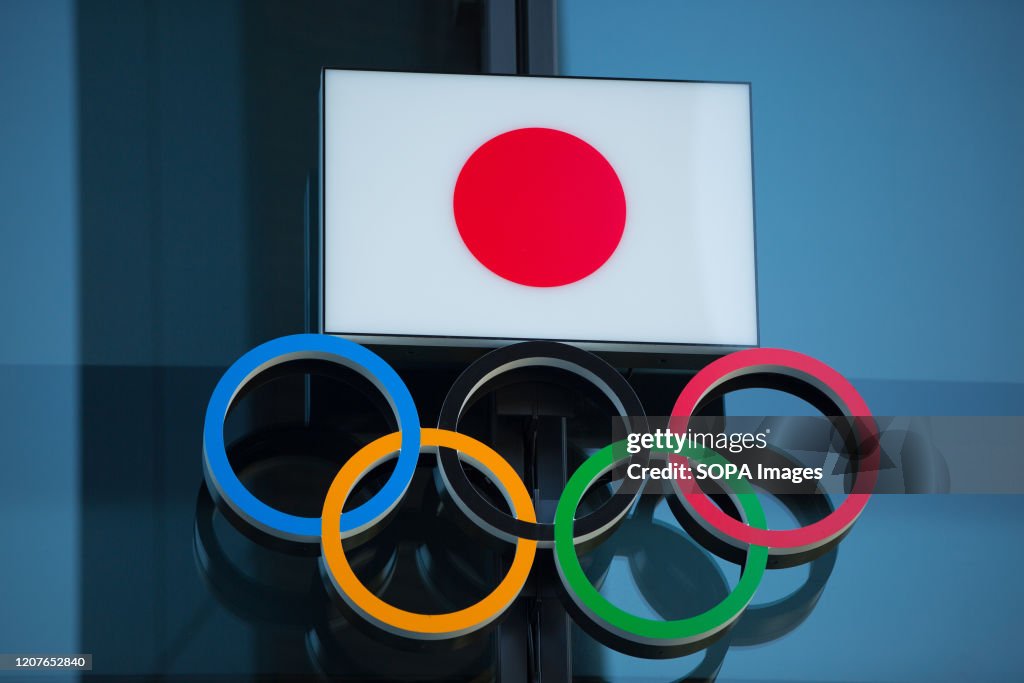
(413, 624)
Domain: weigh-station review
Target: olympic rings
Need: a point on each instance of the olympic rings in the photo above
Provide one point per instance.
(532, 354)
(221, 477)
(752, 364)
(745, 540)
(411, 624)
(650, 632)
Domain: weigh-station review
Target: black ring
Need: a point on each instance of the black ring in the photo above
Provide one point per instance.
(538, 354)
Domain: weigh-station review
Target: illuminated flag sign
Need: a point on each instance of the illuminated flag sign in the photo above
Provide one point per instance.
(473, 209)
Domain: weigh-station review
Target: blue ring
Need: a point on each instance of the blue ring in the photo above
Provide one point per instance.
(221, 478)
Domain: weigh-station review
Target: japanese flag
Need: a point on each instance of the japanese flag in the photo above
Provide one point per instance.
(500, 207)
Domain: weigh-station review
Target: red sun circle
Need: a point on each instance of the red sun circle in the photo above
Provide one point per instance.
(539, 207)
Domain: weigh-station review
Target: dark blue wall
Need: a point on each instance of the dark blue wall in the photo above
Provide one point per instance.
(889, 162)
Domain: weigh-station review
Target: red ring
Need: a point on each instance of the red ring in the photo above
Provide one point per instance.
(818, 375)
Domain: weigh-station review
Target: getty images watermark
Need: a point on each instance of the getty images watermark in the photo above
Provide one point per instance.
(814, 454)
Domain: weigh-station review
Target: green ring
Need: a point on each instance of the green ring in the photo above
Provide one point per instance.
(622, 623)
